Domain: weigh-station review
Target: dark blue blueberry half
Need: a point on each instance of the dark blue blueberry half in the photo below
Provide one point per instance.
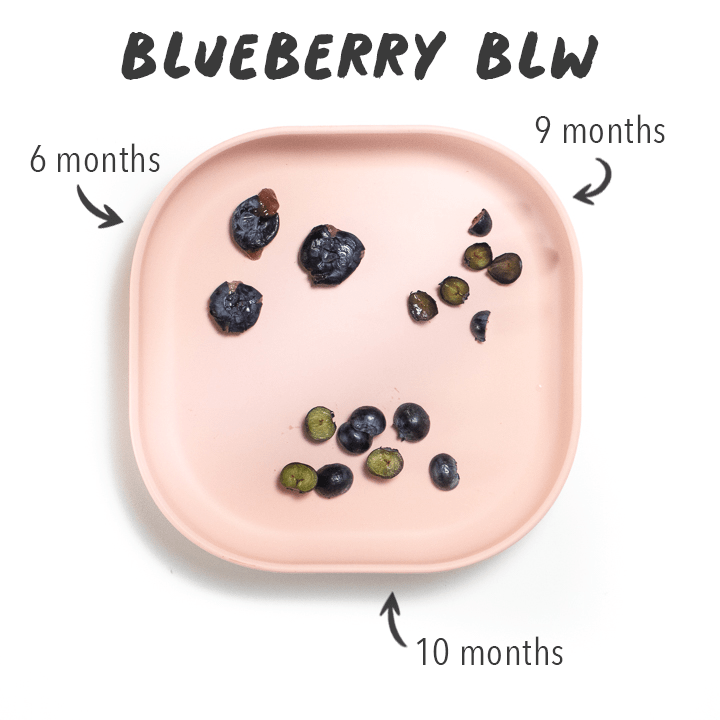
(411, 422)
(255, 222)
(235, 307)
(444, 472)
(333, 480)
(354, 441)
(330, 255)
(368, 419)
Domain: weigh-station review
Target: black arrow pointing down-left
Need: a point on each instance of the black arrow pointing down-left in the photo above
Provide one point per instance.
(110, 217)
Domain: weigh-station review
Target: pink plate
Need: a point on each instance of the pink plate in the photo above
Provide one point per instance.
(214, 418)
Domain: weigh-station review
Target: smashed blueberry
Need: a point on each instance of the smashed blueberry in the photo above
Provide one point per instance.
(454, 290)
(444, 472)
(235, 307)
(478, 256)
(478, 324)
(354, 441)
(299, 477)
(505, 268)
(255, 223)
(319, 423)
(481, 224)
(384, 463)
(422, 307)
(368, 419)
(333, 480)
(330, 255)
(411, 422)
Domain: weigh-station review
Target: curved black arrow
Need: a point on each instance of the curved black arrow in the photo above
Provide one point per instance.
(391, 606)
(584, 196)
(109, 216)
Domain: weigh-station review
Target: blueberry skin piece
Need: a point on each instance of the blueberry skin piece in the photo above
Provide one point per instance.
(330, 255)
(444, 472)
(354, 441)
(235, 307)
(251, 229)
(478, 324)
(368, 419)
(411, 422)
(333, 480)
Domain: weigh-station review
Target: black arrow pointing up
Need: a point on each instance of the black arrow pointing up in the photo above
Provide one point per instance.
(391, 606)
(109, 216)
(584, 196)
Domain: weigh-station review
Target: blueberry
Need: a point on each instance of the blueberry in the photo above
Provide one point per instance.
(330, 255)
(319, 423)
(368, 419)
(478, 324)
(299, 477)
(384, 463)
(444, 472)
(354, 441)
(235, 307)
(255, 223)
(422, 307)
(333, 480)
(454, 290)
(411, 422)
(506, 268)
(481, 224)
(478, 256)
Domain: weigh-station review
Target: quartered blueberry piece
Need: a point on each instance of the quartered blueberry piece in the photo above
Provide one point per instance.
(481, 224)
(478, 324)
(505, 268)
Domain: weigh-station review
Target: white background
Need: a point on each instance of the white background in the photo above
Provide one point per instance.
(108, 612)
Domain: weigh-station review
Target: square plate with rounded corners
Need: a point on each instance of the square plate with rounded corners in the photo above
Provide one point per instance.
(214, 418)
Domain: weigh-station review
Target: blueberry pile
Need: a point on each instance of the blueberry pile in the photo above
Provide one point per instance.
(356, 436)
(504, 269)
(329, 255)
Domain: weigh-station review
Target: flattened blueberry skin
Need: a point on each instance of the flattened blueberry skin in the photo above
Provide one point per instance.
(252, 229)
(411, 422)
(330, 255)
(235, 307)
(333, 480)
(478, 325)
(354, 441)
(368, 419)
(444, 472)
